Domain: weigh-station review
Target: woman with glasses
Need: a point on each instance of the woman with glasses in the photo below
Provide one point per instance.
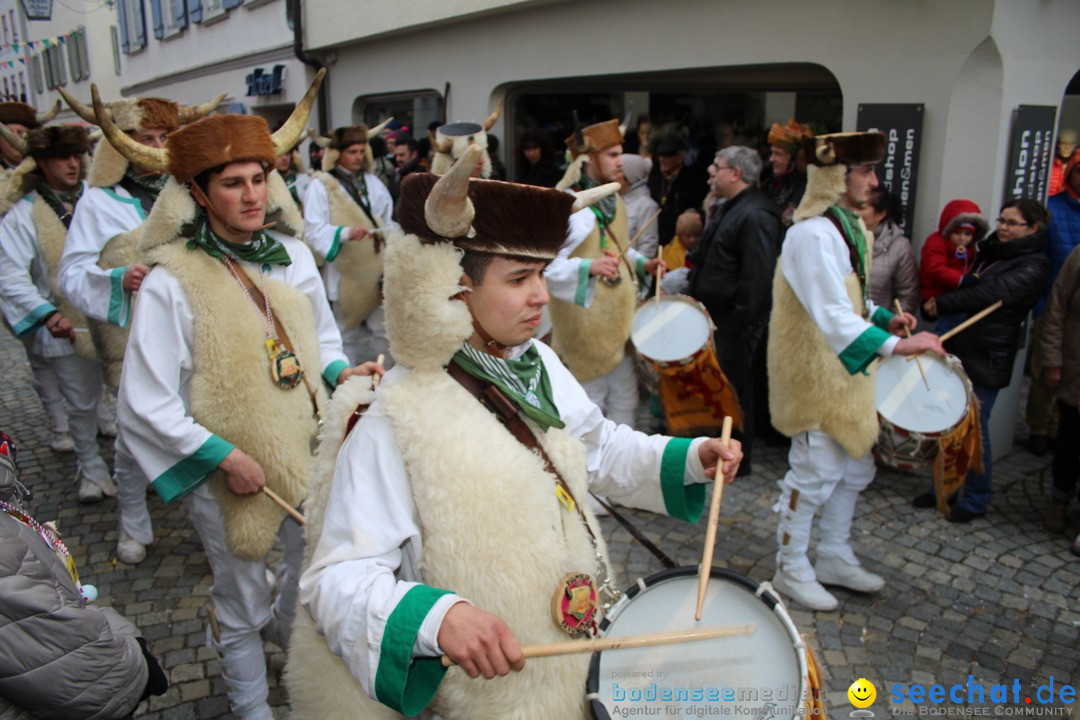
(1012, 267)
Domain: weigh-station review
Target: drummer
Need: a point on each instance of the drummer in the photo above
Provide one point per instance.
(429, 472)
(824, 334)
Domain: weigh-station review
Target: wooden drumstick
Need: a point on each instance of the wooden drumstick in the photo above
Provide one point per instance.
(284, 505)
(659, 279)
(907, 331)
(968, 323)
(630, 641)
(637, 236)
(714, 521)
(377, 376)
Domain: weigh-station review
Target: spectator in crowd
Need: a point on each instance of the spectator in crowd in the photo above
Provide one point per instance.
(640, 207)
(1066, 147)
(1012, 267)
(498, 170)
(688, 230)
(786, 181)
(315, 155)
(407, 160)
(732, 273)
(291, 168)
(1058, 349)
(536, 160)
(636, 141)
(1063, 234)
(675, 186)
(892, 270)
(383, 159)
(949, 253)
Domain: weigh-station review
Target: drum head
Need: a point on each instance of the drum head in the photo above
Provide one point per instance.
(674, 329)
(759, 675)
(903, 400)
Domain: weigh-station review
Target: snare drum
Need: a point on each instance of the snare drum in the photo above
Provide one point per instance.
(761, 675)
(913, 418)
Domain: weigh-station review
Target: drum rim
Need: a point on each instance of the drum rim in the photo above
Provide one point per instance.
(762, 591)
(676, 297)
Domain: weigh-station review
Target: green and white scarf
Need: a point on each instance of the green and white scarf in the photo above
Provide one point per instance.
(524, 381)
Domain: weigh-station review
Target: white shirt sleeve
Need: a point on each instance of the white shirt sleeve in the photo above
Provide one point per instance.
(568, 278)
(324, 238)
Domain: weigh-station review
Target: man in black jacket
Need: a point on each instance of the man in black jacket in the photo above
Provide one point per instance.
(675, 186)
(732, 272)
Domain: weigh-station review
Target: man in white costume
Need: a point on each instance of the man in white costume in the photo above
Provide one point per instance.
(343, 205)
(594, 279)
(824, 336)
(100, 271)
(476, 456)
(223, 377)
(32, 236)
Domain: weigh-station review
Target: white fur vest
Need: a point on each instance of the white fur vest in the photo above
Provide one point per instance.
(110, 340)
(591, 341)
(359, 266)
(51, 235)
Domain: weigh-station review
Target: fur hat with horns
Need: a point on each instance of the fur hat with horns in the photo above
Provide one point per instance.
(594, 138)
(452, 139)
(18, 113)
(829, 158)
(342, 137)
(214, 140)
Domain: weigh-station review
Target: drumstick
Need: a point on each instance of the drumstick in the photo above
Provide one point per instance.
(968, 323)
(640, 232)
(377, 377)
(284, 505)
(659, 279)
(907, 331)
(714, 521)
(630, 641)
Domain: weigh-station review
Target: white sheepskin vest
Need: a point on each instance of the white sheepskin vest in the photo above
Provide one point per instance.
(591, 340)
(110, 341)
(51, 235)
(359, 266)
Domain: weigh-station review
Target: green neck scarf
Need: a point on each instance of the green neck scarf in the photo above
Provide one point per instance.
(849, 220)
(605, 209)
(523, 380)
(152, 183)
(261, 249)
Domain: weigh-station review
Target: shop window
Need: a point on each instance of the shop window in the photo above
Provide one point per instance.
(415, 110)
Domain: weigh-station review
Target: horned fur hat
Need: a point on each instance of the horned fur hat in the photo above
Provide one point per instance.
(18, 113)
(342, 137)
(452, 139)
(829, 157)
(131, 114)
(594, 138)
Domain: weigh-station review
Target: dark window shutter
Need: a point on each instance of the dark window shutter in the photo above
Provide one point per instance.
(121, 11)
(138, 21)
(180, 13)
(159, 23)
(230, 4)
(195, 10)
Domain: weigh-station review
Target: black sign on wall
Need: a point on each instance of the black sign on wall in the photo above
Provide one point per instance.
(1030, 152)
(260, 82)
(899, 171)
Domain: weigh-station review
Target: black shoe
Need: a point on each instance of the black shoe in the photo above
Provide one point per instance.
(963, 515)
(744, 469)
(1038, 445)
(925, 501)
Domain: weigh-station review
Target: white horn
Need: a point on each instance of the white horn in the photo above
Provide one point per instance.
(585, 198)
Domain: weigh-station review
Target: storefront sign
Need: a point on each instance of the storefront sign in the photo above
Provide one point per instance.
(1030, 152)
(899, 171)
(260, 82)
(37, 9)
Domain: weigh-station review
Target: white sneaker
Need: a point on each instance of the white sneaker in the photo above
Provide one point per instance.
(807, 593)
(89, 491)
(129, 550)
(835, 571)
(61, 442)
(106, 428)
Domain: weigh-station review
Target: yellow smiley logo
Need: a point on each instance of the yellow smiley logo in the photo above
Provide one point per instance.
(862, 693)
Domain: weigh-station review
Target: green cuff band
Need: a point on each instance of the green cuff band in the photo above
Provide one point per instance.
(134, 202)
(33, 321)
(858, 355)
(582, 282)
(881, 318)
(402, 682)
(330, 374)
(189, 473)
(119, 308)
(642, 275)
(681, 501)
(336, 247)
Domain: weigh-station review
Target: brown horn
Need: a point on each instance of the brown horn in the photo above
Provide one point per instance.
(14, 139)
(490, 122)
(288, 135)
(448, 210)
(45, 117)
(146, 157)
(84, 111)
(189, 114)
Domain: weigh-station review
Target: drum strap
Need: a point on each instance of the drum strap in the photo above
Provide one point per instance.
(638, 535)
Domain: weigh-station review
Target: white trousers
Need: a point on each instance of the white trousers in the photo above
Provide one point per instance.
(131, 485)
(79, 383)
(368, 340)
(616, 394)
(47, 385)
(242, 601)
(821, 475)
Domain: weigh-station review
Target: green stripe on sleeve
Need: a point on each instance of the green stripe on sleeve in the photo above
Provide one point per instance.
(403, 682)
(582, 282)
(33, 321)
(336, 247)
(642, 275)
(117, 298)
(330, 374)
(881, 318)
(859, 354)
(189, 473)
(681, 501)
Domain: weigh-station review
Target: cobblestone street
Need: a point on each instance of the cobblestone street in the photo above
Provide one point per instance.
(998, 599)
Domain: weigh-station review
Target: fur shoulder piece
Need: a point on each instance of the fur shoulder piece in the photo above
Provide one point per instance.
(824, 186)
(425, 325)
(108, 166)
(21, 181)
(573, 173)
(174, 213)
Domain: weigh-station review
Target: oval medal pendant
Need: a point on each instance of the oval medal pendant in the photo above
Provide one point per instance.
(574, 604)
(285, 369)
